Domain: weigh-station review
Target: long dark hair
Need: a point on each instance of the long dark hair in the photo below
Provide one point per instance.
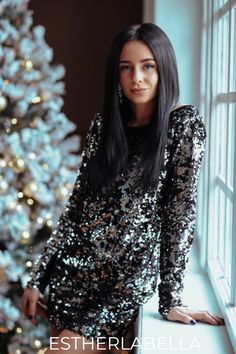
(112, 151)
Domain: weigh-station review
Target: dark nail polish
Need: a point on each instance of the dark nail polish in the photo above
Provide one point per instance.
(30, 317)
(193, 322)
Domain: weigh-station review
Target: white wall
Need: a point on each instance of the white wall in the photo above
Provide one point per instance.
(182, 21)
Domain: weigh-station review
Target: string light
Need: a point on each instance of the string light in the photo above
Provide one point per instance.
(3, 186)
(3, 102)
(14, 121)
(33, 186)
(12, 205)
(31, 155)
(25, 235)
(28, 65)
(2, 163)
(36, 99)
(17, 164)
(39, 220)
(37, 343)
(30, 201)
(45, 166)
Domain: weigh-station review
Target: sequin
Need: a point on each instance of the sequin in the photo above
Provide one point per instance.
(104, 256)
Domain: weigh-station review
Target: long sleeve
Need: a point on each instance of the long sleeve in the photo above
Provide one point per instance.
(179, 207)
(66, 223)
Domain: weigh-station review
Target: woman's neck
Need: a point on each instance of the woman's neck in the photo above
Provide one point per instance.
(142, 113)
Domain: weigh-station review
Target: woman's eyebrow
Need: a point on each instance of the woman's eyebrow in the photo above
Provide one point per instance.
(127, 61)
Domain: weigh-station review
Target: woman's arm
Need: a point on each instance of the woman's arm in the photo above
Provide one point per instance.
(178, 207)
(66, 223)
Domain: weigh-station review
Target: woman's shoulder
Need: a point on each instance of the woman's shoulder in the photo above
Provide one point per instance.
(185, 119)
(184, 109)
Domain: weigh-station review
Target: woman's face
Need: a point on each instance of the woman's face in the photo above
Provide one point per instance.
(138, 72)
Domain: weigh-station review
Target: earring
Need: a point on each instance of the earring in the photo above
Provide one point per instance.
(120, 93)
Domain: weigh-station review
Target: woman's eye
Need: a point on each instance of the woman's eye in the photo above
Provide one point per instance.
(149, 66)
(124, 67)
(128, 67)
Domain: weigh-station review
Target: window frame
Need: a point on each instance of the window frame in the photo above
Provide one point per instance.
(213, 11)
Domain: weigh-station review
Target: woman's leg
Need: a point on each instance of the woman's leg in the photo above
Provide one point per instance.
(71, 343)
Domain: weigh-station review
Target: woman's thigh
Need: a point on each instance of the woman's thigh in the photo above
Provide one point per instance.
(71, 343)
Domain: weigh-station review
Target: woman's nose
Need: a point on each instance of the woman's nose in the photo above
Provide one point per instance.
(137, 75)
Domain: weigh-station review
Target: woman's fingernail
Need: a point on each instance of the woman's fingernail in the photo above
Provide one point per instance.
(30, 317)
(193, 322)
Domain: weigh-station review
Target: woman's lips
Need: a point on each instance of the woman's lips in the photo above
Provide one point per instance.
(138, 91)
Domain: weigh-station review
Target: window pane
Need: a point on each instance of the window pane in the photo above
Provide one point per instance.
(233, 51)
(228, 240)
(221, 2)
(231, 144)
(221, 227)
(223, 52)
(222, 140)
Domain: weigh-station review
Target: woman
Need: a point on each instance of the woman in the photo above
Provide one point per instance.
(132, 209)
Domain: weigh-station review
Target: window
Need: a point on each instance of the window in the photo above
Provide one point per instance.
(218, 102)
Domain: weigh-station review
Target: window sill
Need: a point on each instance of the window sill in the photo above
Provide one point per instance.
(221, 290)
(176, 337)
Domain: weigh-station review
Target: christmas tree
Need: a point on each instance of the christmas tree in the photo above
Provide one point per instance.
(38, 165)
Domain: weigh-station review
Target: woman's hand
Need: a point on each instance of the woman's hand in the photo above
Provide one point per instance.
(32, 305)
(190, 316)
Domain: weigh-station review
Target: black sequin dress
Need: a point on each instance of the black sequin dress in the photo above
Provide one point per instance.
(104, 256)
